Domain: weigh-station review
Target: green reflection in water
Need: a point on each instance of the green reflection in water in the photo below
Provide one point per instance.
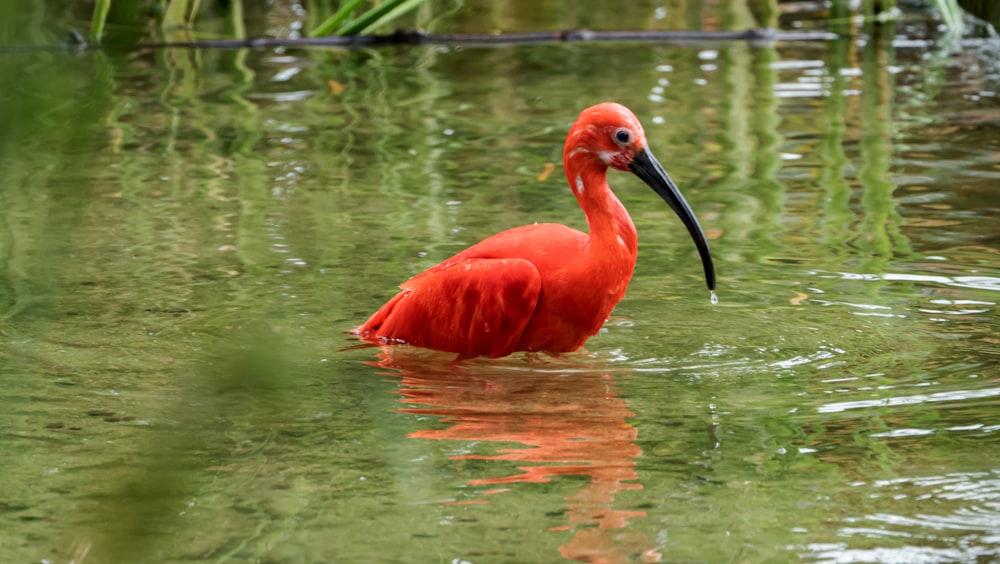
(836, 225)
(881, 224)
(186, 234)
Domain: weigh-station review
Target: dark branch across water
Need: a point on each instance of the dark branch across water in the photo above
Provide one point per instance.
(413, 37)
(76, 42)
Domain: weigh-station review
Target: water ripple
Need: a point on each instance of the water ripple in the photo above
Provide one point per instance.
(974, 524)
(973, 282)
(838, 552)
(955, 395)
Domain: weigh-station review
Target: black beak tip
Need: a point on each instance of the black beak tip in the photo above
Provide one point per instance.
(645, 166)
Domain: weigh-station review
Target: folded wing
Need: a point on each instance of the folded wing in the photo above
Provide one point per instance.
(473, 307)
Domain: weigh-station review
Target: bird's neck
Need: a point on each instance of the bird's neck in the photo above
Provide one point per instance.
(610, 224)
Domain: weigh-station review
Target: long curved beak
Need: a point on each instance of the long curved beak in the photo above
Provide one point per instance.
(645, 166)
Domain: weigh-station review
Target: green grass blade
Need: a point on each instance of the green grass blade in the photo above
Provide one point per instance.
(179, 13)
(368, 19)
(335, 21)
(193, 13)
(401, 8)
(433, 18)
(101, 9)
(951, 13)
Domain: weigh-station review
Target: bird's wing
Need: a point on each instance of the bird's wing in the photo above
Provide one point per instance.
(474, 307)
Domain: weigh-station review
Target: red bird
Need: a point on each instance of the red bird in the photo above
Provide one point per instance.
(543, 287)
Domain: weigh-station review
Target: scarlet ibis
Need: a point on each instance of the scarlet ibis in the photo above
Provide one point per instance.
(543, 287)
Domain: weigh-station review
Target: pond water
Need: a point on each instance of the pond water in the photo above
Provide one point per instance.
(185, 236)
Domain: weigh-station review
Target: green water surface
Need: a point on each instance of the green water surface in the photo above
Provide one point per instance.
(186, 235)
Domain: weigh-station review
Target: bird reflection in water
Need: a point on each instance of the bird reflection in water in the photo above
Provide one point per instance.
(571, 422)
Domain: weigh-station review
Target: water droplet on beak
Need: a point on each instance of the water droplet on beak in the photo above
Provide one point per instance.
(714, 299)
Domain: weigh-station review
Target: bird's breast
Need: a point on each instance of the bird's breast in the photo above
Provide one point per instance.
(579, 291)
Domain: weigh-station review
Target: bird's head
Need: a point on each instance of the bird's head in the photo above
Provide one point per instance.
(611, 135)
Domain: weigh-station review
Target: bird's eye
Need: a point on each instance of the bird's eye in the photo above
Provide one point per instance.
(622, 136)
